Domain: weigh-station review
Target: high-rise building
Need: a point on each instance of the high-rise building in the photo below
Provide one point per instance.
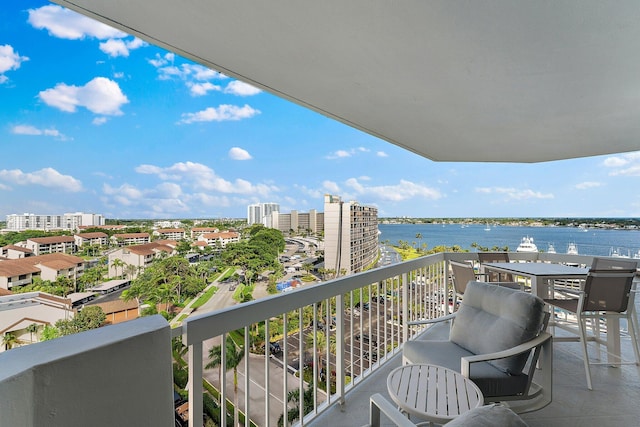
(259, 213)
(68, 221)
(350, 235)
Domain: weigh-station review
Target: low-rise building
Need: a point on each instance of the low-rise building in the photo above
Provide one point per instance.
(97, 238)
(130, 261)
(170, 233)
(15, 252)
(20, 272)
(128, 239)
(199, 231)
(220, 239)
(19, 311)
(52, 244)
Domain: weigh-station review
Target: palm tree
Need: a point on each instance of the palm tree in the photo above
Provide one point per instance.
(234, 355)
(293, 397)
(33, 328)
(10, 340)
(117, 262)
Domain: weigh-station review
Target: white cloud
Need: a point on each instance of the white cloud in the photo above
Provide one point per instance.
(237, 153)
(331, 187)
(382, 154)
(99, 121)
(241, 89)
(404, 190)
(587, 185)
(515, 194)
(9, 60)
(200, 89)
(341, 154)
(223, 113)
(626, 164)
(47, 177)
(119, 47)
(100, 96)
(66, 24)
(202, 177)
(32, 130)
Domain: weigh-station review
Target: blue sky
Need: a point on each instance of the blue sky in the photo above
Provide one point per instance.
(94, 120)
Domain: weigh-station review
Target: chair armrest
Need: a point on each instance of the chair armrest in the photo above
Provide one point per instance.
(430, 321)
(377, 404)
(465, 362)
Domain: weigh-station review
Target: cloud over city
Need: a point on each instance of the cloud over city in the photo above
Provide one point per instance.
(46, 177)
(9, 60)
(100, 96)
(627, 164)
(222, 113)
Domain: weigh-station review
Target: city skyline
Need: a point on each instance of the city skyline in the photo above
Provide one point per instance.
(98, 121)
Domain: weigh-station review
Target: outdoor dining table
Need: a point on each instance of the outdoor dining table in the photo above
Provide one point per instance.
(542, 275)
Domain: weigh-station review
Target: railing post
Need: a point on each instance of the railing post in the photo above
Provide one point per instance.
(340, 338)
(403, 316)
(195, 385)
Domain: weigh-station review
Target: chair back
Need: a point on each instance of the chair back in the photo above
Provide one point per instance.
(608, 285)
(485, 257)
(463, 273)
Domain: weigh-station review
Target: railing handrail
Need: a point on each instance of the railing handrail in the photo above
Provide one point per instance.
(202, 327)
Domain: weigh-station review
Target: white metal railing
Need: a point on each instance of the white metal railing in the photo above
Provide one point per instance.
(329, 341)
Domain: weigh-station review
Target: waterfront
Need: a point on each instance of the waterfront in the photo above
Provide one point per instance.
(590, 241)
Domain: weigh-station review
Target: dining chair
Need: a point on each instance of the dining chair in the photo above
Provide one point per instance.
(462, 273)
(606, 293)
(485, 257)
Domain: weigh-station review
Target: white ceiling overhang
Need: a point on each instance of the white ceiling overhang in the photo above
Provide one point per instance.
(451, 80)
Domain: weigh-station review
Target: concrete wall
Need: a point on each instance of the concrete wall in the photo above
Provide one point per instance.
(117, 375)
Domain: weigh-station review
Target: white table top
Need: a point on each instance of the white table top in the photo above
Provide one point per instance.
(432, 392)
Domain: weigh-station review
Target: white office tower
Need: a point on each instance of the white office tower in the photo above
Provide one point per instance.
(350, 235)
(68, 221)
(260, 213)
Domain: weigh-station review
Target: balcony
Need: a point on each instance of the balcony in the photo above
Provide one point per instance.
(359, 344)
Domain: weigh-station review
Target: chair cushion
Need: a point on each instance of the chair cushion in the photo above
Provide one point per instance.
(488, 416)
(491, 380)
(494, 318)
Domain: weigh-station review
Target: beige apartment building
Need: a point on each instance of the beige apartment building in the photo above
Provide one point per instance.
(20, 272)
(86, 239)
(128, 239)
(134, 259)
(220, 239)
(311, 222)
(170, 233)
(52, 244)
(350, 235)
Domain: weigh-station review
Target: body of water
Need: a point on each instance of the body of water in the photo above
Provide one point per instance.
(588, 241)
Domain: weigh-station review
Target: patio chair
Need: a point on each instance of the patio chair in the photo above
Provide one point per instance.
(497, 339)
(485, 257)
(463, 273)
(605, 294)
(484, 416)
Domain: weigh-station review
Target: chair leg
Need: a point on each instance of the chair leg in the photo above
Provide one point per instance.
(585, 353)
(633, 331)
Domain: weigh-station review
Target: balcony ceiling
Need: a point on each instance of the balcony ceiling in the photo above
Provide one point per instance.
(451, 80)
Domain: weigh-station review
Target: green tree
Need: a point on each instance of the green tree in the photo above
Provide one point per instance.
(10, 340)
(33, 329)
(91, 317)
(233, 355)
(293, 397)
(49, 332)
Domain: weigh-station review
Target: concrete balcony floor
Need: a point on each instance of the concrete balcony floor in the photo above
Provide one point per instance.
(614, 400)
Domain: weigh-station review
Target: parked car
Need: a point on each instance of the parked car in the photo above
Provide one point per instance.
(365, 339)
(274, 347)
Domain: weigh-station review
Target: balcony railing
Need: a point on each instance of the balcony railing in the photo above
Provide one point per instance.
(331, 336)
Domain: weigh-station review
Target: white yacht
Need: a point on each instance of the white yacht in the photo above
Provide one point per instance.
(527, 245)
(551, 249)
(572, 249)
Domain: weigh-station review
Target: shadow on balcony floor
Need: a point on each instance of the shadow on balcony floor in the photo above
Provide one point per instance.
(613, 402)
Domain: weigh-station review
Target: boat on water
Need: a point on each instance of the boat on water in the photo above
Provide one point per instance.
(617, 253)
(527, 245)
(487, 228)
(572, 249)
(551, 249)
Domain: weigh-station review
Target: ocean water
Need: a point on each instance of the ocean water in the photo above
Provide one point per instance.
(590, 242)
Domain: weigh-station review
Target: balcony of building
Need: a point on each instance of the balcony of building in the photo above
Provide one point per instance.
(346, 333)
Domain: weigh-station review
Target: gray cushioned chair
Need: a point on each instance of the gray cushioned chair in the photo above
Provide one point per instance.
(496, 339)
